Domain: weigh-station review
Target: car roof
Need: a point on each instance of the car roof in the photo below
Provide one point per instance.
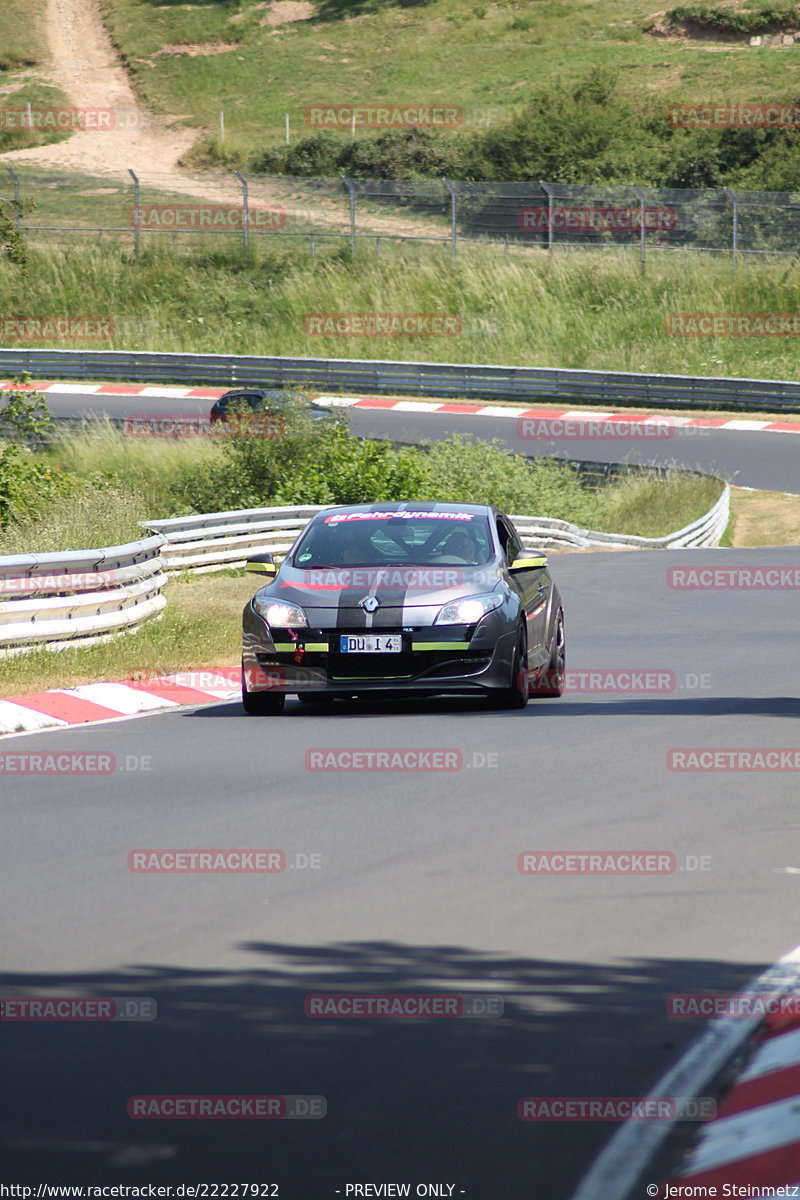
(417, 506)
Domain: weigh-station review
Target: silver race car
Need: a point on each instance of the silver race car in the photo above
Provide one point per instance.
(403, 597)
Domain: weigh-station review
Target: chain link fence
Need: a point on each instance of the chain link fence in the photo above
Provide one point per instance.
(143, 208)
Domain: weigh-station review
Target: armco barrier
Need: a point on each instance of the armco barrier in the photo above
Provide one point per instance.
(214, 541)
(408, 378)
(85, 595)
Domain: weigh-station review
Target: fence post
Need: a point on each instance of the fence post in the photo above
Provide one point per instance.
(245, 210)
(637, 191)
(453, 217)
(735, 232)
(351, 189)
(549, 193)
(137, 217)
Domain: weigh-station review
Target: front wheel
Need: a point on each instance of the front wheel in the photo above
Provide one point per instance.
(516, 695)
(554, 675)
(261, 704)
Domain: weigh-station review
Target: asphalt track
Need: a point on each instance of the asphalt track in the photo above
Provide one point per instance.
(417, 891)
(758, 460)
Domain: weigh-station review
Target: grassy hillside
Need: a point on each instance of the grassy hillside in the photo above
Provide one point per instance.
(245, 58)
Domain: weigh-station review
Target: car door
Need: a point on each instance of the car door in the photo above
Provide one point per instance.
(533, 586)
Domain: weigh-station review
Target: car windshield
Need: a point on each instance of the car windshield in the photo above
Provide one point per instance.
(376, 539)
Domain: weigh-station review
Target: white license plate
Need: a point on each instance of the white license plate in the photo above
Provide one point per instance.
(371, 643)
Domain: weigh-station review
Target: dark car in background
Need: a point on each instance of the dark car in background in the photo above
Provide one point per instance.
(273, 402)
(403, 597)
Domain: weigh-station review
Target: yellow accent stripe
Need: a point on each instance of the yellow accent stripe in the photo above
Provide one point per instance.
(318, 647)
(440, 645)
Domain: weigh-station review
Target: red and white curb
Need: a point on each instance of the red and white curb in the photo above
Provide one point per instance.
(93, 702)
(754, 1141)
(159, 391)
(756, 1132)
(551, 414)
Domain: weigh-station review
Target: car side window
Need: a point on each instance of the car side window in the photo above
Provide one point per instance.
(512, 547)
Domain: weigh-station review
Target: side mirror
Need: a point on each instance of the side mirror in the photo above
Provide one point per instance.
(262, 564)
(534, 563)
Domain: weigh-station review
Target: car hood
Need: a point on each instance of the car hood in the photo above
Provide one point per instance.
(394, 587)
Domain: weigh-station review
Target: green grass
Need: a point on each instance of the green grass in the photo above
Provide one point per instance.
(489, 59)
(578, 312)
(23, 42)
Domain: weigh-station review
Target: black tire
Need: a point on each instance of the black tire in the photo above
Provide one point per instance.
(516, 695)
(558, 662)
(261, 704)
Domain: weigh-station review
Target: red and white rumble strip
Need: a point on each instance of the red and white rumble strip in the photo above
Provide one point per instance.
(108, 701)
(551, 414)
(160, 391)
(752, 1147)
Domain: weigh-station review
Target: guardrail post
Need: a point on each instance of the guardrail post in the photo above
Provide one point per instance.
(549, 193)
(245, 210)
(735, 232)
(351, 189)
(453, 217)
(136, 210)
(637, 191)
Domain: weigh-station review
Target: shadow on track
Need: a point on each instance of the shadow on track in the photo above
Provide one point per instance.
(422, 1100)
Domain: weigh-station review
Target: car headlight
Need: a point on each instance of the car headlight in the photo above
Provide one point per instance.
(468, 610)
(279, 616)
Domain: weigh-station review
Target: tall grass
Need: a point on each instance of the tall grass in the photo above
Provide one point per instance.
(579, 311)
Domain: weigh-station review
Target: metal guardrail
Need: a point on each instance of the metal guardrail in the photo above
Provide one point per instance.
(386, 377)
(214, 541)
(79, 595)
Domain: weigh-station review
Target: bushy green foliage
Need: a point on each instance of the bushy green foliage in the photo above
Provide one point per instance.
(589, 132)
(736, 20)
(28, 484)
(396, 154)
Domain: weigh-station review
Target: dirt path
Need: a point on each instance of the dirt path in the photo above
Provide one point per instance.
(84, 65)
